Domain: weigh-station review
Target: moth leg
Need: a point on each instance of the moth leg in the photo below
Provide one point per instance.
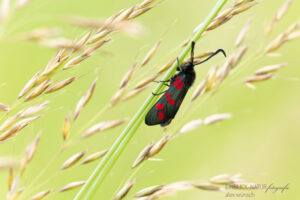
(163, 82)
(159, 93)
(179, 68)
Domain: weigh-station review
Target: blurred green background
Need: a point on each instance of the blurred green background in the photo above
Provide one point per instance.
(261, 141)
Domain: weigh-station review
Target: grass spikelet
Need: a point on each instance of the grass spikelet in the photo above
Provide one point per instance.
(192, 125)
(142, 155)
(66, 127)
(226, 68)
(145, 4)
(41, 195)
(94, 156)
(209, 187)
(158, 146)
(125, 14)
(133, 93)
(56, 62)
(239, 56)
(244, 8)
(85, 99)
(4, 107)
(139, 12)
(146, 81)
(34, 109)
(124, 191)
(225, 179)
(200, 89)
(29, 85)
(116, 98)
(166, 66)
(38, 90)
(216, 118)
(61, 85)
(14, 195)
(283, 10)
(40, 34)
(72, 186)
(7, 162)
(243, 33)
(269, 69)
(10, 178)
(99, 36)
(259, 78)
(151, 53)
(13, 130)
(102, 126)
(75, 61)
(148, 191)
(89, 51)
(127, 76)
(211, 78)
(72, 160)
(83, 41)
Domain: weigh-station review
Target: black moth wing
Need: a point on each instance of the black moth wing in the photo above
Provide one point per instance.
(167, 106)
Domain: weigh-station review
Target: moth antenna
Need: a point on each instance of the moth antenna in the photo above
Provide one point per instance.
(218, 51)
(192, 51)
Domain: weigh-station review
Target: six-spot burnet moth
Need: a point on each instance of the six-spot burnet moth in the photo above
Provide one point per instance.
(167, 106)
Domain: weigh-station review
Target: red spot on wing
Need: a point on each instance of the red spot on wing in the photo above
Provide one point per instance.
(168, 95)
(177, 81)
(159, 106)
(161, 115)
(180, 85)
(172, 102)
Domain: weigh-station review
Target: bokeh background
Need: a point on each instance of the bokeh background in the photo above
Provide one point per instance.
(261, 141)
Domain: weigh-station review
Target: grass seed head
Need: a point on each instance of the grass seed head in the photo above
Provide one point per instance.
(243, 33)
(4, 107)
(239, 56)
(29, 85)
(200, 89)
(209, 187)
(34, 109)
(66, 127)
(38, 90)
(148, 191)
(166, 66)
(216, 118)
(225, 179)
(124, 191)
(41, 195)
(60, 85)
(133, 93)
(259, 78)
(158, 146)
(283, 10)
(94, 156)
(73, 160)
(116, 98)
(192, 125)
(72, 186)
(128, 75)
(139, 12)
(145, 4)
(146, 81)
(270, 68)
(151, 53)
(142, 155)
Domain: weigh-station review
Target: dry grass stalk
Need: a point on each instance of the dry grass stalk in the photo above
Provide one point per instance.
(72, 186)
(85, 99)
(243, 33)
(7, 162)
(158, 146)
(209, 187)
(60, 85)
(151, 53)
(278, 16)
(94, 156)
(225, 179)
(66, 127)
(38, 90)
(127, 76)
(29, 85)
(34, 109)
(281, 39)
(133, 93)
(146, 81)
(41, 195)
(259, 78)
(166, 66)
(102, 126)
(148, 191)
(269, 69)
(73, 160)
(124, 191)
(192, 125)
(142, 155)
(216, 118)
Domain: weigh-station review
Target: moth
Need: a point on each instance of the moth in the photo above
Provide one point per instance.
(165, 109)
